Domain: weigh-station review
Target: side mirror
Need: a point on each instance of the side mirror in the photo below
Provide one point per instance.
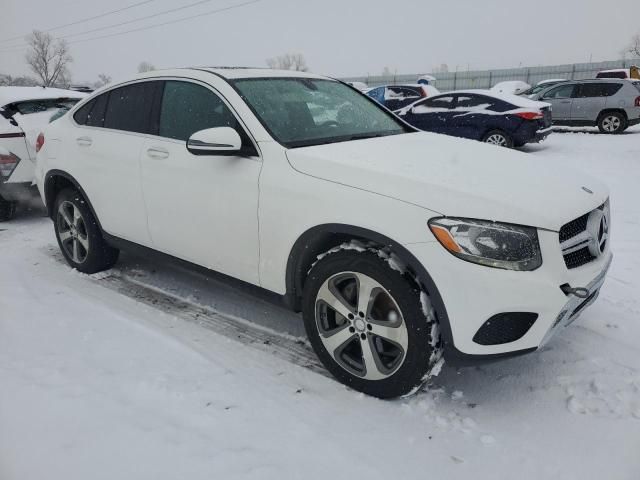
(215, 141)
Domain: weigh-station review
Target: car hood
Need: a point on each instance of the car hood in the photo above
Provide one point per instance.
(456, 178)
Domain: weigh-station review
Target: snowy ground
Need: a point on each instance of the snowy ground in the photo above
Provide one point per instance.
(154, 372)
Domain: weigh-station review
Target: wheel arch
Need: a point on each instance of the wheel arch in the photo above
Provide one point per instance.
(322, 238)
(606, 110)
(57, 180)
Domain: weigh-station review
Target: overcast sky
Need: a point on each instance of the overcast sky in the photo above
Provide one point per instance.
(337, 37)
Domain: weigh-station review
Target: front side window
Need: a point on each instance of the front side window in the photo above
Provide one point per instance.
(305, 111)
(565, 91)
(130, 108)
(188, 108)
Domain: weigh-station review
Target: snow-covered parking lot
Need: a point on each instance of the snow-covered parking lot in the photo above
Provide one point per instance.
(154, 372)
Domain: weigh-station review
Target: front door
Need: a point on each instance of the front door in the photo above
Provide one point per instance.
(200, 208)
(561, 100)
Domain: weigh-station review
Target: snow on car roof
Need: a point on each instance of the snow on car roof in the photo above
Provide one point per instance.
(551, 80)
(19, 94)
(516, 100)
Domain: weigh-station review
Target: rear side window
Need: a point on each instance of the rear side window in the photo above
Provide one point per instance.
(619, 74)
(188, 108)
(130, 108)
(590, 90)
(401, 93)
(95, 117)
(83, 112)
(439, 102)
(470, 101)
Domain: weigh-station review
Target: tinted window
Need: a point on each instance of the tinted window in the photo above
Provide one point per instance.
(438, 102)
(588, 90)
(563, 91)
(129, 108)
(401, 93)
(188, 108)
(615, 74)
(95, 118)
(83, 112)
(470, 101)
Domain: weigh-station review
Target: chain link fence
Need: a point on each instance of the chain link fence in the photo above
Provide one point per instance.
(488, 78)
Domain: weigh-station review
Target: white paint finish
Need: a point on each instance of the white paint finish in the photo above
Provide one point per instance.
(456, 178)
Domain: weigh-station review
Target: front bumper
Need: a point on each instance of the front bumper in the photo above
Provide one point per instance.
(472, 294)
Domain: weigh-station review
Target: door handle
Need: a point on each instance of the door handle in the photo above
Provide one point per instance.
(565, 101)
(159, 153)
(84, 141)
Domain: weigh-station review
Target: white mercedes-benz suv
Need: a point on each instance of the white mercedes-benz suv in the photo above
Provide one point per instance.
(397, 246)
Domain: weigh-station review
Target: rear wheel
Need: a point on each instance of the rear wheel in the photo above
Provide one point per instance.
(499, 138)
(612, 122)
(370, 325)
(78, 234)
(7, 209)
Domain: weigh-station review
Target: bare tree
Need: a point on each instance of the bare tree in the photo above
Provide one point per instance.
(634, 46)
(48, 58)
(103, 79)
(145, 67)
(289, 61)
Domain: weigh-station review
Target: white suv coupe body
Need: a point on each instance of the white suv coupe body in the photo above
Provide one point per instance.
(396, 245)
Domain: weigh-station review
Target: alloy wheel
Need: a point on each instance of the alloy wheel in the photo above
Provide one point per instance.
(611, 123)
(72, 232)
(497, 139)
(361, 325)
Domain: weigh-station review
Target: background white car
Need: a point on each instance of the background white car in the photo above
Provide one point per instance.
(24, 111)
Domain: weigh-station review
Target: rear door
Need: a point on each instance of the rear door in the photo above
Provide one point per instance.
(472, 117)
(590, 99)
(201, 208)
(432, 115)
(105, 155)
(561, 100)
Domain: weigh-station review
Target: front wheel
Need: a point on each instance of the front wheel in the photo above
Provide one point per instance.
(78, 235)
(7, 210)
(371, 325)
(499, 138)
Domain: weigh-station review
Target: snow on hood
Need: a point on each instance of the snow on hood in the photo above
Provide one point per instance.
(455, 177)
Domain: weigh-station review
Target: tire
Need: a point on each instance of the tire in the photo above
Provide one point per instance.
(612, 123)
(341, 340)
(7, 210)
(498, 138)
(79, 236)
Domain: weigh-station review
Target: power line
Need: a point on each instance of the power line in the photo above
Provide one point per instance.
(148, 27)
(85, 19)
(211, 12)
(184, 7)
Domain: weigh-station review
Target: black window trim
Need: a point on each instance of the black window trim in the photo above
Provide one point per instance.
(156, 108)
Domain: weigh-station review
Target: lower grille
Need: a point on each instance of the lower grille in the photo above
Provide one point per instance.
(578, 258)
(505, 328)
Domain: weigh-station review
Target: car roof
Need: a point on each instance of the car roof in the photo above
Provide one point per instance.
(516, 100)
(232, 73)
(20, 94)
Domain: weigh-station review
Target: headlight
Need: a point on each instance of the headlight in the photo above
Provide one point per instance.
(498, 245)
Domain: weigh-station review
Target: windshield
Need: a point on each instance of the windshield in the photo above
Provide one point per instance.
(300, 112)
